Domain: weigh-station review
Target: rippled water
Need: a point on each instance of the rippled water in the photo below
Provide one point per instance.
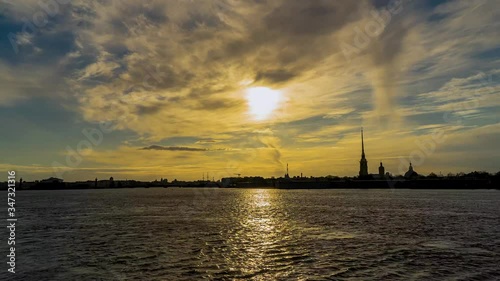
(257, 234)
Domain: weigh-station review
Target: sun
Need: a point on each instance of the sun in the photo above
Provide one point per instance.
(262, 101)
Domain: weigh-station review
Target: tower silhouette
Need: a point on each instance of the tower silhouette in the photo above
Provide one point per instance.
(381, 170)
(363, 164)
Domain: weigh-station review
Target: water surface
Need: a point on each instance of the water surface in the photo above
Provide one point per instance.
(258, 234)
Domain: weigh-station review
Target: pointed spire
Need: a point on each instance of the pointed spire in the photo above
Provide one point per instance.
(362, 144)
(363, 164)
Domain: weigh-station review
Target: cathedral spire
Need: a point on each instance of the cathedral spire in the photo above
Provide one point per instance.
(362, 144)
(363, 164)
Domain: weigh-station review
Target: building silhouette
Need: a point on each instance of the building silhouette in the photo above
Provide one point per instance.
(411, 174)
(363, 164)
(381, 170)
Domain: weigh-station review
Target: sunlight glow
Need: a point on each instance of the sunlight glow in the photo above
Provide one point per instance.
(262, 102)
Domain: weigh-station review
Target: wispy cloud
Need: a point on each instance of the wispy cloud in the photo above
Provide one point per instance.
(180, 148)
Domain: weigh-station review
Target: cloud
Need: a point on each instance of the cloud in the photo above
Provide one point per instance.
(173, 148)
(164, 65)
(24, 81)
(194, 59)
(463, 96)
(207, 141)
(180, 148)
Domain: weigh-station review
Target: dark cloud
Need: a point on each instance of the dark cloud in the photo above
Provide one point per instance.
(157, 75)
(173, 148)
(390, 45)
(151, 109)
(198, 20)
(205, 99)
(217, 103)
(312, 17)
(275, 76)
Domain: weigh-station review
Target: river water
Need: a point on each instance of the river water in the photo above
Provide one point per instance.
(257, 234)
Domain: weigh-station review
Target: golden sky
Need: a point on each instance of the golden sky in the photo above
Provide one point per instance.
(243, 87)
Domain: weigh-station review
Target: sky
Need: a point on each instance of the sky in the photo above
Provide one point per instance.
(178, 89)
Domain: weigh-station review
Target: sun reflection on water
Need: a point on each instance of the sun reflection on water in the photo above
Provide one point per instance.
(261, 197)
(261, 244)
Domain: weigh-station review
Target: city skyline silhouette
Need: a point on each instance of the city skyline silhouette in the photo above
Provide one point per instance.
(90, 95)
